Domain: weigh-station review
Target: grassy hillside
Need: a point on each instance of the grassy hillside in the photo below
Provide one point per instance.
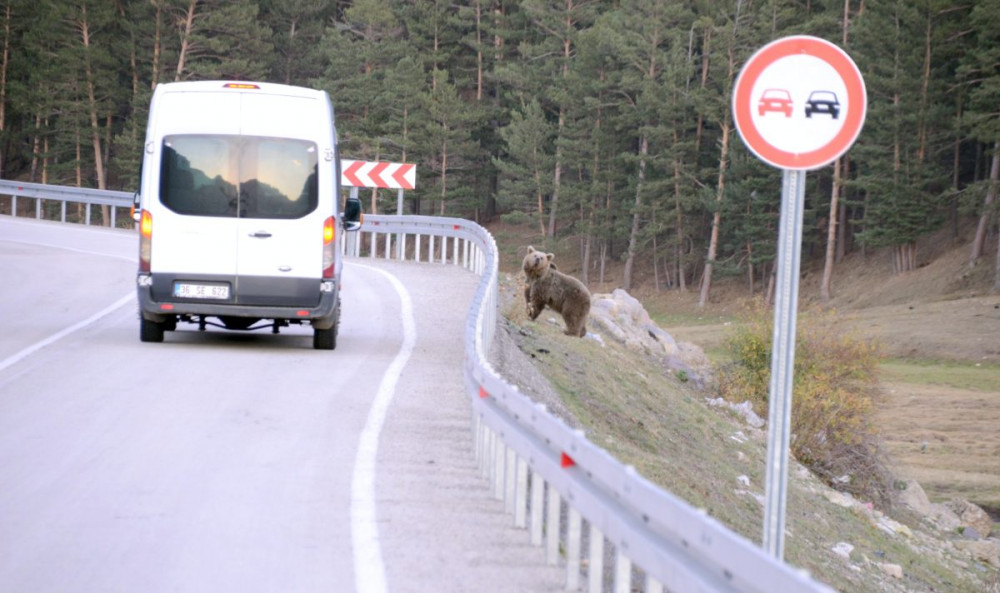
(650, 418)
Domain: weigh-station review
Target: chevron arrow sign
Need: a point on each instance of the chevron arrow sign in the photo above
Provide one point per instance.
(378, 174)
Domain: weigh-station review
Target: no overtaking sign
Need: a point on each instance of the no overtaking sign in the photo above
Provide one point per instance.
(799, 103)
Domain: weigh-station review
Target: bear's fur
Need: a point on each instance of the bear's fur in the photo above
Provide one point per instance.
(547, 286)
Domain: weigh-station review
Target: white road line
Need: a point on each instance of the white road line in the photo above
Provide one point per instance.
(21, 355)
(369, 570)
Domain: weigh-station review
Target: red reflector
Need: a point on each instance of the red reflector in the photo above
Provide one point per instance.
(240, 85)
(455, 227)
(483, 393)
(302, 313)
(167, 307)
(566, 461)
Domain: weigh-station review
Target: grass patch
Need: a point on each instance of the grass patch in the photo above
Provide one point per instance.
(960, 375)
(643, 415)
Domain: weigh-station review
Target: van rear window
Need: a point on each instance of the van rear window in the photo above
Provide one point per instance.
(239, 176)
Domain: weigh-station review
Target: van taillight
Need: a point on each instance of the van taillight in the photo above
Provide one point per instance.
(145, 240)
(329, 234)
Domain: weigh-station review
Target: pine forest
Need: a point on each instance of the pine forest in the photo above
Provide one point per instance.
(604, 124)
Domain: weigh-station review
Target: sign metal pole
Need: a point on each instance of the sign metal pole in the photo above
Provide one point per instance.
(783, 359)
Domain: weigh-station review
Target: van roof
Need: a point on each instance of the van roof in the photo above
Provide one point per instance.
(238, 86)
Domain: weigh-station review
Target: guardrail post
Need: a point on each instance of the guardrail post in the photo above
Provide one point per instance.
(573, 537)
(623, 573)
(537, 500)
(498, 461)
(595, 566)
(521, 496)
(552, 526)
(510, 481)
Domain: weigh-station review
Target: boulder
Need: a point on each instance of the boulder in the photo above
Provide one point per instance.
(971, 516)
(893, 570)
(985, 551)
(915, 498)
(622, 317)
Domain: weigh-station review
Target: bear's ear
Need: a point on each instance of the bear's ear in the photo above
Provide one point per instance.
(531, 248)
(549, 256)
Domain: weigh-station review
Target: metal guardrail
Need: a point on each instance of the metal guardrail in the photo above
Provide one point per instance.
(653, 533)
(64, 194)
(550, 476)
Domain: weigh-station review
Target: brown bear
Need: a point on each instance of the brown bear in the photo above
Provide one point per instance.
(562, 293)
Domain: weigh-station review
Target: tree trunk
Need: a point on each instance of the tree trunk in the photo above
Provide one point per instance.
(996, 276)
(633, 238)
(157, 36)
(679, 223)
(35, 147)
(831, 233)
(95, 130)
(713, 245)
(556, 176)
(185, 37)
(538, 193)
(444, 175)
(833, 230)
(987, 215)
(4, 62)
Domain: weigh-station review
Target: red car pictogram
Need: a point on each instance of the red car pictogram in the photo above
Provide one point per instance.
(775, 100)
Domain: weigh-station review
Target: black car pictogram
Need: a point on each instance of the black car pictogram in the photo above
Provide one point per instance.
(823, 102)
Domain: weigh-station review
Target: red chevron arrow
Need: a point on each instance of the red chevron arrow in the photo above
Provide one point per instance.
(400, 176)
(350, 171)
(375, 173)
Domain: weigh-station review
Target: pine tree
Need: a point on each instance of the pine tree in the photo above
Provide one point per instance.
(901, 203)
(524, 179)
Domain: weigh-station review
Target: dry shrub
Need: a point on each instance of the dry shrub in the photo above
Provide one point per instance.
(834, 391)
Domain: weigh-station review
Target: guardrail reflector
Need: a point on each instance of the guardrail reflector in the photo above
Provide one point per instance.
(566, 461)
(483, 393)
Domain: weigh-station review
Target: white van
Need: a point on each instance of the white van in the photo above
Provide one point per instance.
(239, 210)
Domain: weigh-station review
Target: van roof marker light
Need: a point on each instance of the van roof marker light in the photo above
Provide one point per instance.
(240, 85)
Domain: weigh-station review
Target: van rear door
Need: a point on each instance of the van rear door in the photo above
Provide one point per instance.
(199, 189)
(280, 225)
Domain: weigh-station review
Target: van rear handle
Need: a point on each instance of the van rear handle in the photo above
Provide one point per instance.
(261, 234)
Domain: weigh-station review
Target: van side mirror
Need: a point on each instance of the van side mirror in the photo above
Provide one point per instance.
(352, 216)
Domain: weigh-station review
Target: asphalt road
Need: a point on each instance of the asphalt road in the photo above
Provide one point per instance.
(227, 461)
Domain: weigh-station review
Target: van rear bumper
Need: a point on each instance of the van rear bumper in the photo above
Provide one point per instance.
(321, 316)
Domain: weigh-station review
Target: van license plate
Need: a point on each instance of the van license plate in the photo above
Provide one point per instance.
(201, 291)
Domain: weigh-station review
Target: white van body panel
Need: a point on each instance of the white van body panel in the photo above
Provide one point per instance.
(230, 176)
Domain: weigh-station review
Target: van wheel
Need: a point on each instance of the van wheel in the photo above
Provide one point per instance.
(325, 339)
(150, 331)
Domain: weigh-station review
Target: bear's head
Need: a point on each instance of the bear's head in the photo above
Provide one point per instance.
(536, 263)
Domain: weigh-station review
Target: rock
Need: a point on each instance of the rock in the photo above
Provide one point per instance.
(971, 533)
(944, 518)
(840, 498)
(843, 549)
(622, 317)
(987, 551)
(745, 410)
(915, 498)
(971, 515)
(893, 570)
